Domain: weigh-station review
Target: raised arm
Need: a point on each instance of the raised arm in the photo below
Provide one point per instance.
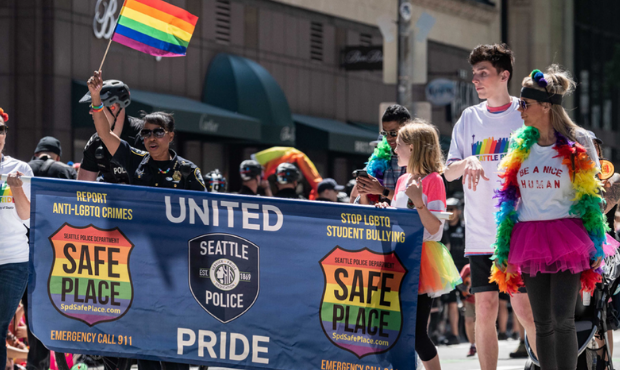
(109, 138)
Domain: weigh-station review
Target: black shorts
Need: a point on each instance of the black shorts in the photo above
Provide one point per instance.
(480, 271)
(450, 297)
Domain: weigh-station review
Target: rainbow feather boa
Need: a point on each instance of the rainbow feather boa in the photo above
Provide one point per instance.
(586, 204)
(378, 163)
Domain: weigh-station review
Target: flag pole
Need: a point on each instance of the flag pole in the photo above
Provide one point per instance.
(106, 54)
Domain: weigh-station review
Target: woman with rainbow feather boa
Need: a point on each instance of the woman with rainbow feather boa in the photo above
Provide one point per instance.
(551, 231)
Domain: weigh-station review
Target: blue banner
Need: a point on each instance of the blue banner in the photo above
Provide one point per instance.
(222, 280)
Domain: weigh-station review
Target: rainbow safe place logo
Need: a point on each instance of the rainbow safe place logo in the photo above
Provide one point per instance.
(361, 308)
(90, 279)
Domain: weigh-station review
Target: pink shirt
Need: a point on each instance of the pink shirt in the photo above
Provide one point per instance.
(433, 195)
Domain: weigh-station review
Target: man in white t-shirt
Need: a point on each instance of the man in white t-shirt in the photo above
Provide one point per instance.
(479, 141)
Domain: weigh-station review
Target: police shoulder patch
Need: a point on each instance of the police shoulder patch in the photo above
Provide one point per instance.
(139, 152)
(199, 177)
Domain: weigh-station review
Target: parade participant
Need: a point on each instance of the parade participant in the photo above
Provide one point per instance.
(328, 190)
(287, 177)
(422, 188)
(383, 169)
(479, 141)
(46, 160)
(97, 162)
(251, 173)
(159, 166)
(215, 182)
(454, 239)
(551, 172)
(45, 163)
(469, 301)
(14, 251)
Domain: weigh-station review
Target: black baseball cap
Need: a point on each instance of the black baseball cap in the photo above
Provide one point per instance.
(49, 144)
(329, 184)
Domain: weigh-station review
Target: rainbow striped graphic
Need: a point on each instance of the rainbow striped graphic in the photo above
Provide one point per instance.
(490, 146)
(361, 308)
(6, 196)
(155, 27)
(90, 280)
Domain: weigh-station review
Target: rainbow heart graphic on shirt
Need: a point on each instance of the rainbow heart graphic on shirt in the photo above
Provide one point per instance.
(6, 196)
(90, 279)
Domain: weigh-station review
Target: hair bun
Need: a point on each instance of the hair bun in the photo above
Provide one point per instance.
(5, 116)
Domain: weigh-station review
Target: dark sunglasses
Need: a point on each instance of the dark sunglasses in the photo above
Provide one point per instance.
(524, 105)
(158, 132)
(391, 133)
(4, 129)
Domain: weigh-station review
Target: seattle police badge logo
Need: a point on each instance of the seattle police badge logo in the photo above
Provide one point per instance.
(224, 274)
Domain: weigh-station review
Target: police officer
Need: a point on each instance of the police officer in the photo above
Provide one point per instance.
(215, 182)
(287, 178)
(98, 163)
(159, 166)
(46, 160)
(251, 173)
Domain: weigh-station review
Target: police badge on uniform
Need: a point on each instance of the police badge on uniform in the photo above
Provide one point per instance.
(224, 274)
(176, 176)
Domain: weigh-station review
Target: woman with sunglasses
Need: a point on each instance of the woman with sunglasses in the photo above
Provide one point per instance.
(550, 225)
(14, 251)
(159, 166)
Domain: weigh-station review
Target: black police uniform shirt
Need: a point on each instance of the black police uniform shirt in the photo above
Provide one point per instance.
(289, 193)
(246, 191)
(455, 236)
(97, 158)
(56, 170)
(143, 170)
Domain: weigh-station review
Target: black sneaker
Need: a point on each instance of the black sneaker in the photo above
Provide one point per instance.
(520, 352)
(472, 351)
(515, 335)
(502, 336)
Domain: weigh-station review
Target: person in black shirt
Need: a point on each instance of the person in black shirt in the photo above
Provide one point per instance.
(44, 163)
(46, 160)
(251, 173)
(287, 178)
(97, 163)
(328, 190)
(159, 166)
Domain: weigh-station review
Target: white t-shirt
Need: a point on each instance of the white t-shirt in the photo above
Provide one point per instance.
(433, 195)
(13, 239)
(485, 135)
(544, 182)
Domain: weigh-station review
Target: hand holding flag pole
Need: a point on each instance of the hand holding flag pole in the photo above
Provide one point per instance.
(153, 27)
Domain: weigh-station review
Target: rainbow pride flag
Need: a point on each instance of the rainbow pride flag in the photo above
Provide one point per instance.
(155, 27)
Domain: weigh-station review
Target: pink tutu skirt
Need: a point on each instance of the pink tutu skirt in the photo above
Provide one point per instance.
(551, 246)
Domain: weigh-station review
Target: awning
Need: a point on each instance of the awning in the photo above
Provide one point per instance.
(329, 134)
(190, 116)
(241, 85)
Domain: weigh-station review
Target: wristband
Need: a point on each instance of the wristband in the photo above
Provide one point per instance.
(97, 109)
(386, 192)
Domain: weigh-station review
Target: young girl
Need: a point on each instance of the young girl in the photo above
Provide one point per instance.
(422, 188)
